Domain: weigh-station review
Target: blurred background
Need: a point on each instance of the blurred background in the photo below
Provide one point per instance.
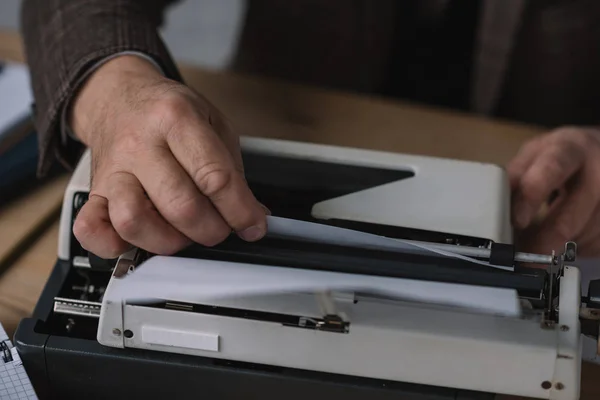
(201, 32)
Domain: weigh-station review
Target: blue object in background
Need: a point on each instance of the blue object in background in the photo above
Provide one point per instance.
(18, 139)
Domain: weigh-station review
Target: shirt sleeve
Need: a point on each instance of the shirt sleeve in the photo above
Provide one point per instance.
(64, 40)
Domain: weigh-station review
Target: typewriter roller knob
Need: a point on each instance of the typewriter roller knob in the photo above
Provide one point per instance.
(594, 294)
(502, 254)
(570, 252)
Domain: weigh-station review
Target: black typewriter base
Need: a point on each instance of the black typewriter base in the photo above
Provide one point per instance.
(63, 366)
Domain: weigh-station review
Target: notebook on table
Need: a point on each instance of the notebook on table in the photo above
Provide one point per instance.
(14, 382)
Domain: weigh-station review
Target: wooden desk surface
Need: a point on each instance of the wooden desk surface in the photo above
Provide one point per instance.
(268, 108)
(274, 109)
(24, 216)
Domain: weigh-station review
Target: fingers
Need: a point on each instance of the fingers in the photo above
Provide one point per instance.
(547, 172)
(136, 220)
(178, 200)
(568, 220)
(524, 158)
(94, 230)
(213, 170)
(109, 227)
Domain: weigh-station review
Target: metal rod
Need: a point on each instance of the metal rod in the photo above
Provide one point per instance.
(484, 253)
(535, 258)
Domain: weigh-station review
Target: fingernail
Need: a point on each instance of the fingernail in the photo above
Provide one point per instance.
(251, 234)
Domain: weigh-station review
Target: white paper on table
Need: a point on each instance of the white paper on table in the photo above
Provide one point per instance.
(199, 281)
(15, 95)
(321, 233)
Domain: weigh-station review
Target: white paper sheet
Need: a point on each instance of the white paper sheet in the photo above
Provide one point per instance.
(15, 95)
(14, 382)
(321, 233)
(198, 281)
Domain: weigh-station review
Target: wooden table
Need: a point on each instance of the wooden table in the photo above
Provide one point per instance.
(268, 108)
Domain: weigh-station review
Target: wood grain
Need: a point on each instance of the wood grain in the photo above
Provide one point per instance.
(24, 216)
(269, 108)
(11, 47)
(22, 284)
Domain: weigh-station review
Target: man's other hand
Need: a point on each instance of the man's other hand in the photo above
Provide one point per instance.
(166, 167)
(558, 172)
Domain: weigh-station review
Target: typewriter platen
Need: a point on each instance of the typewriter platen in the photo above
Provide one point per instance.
(412, 198)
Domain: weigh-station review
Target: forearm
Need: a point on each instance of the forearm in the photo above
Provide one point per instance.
(65, 38)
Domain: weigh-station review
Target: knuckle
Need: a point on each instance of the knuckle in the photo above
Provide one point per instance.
(577, 146)
(580, 137)
(172, 107)
(105, 246)
(212, 179)
(553, 168)
(129, 142)
(82, 228)
(572, 138)
(126, 221)
(181, 209)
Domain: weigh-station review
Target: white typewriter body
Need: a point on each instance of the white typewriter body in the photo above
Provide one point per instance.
(384, 338)
(464, 198)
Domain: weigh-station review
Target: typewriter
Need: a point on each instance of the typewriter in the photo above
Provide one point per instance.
(403, 283)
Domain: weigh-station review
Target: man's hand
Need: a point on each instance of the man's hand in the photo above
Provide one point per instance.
(565, 162)
(166, 167)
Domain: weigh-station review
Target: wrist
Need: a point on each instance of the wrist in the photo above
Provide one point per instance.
(101, 96)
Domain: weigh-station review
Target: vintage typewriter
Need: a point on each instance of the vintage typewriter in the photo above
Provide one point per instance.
(439, 306)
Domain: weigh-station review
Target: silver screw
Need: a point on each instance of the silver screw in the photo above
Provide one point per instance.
(116, 332)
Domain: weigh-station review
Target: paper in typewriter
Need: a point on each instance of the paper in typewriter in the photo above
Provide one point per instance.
(202, 281)
(321, 233)
(14, 382)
